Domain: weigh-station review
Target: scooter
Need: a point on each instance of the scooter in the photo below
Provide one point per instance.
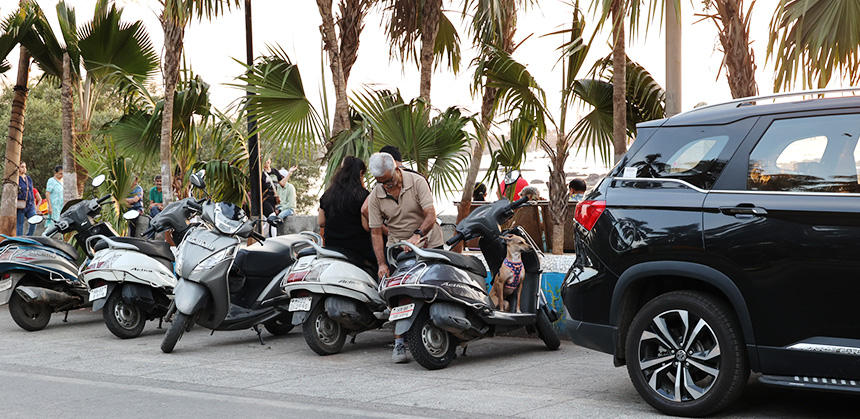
(333, 295)
(132, 278)
(222, 286)
(440, 299)
(39, 274)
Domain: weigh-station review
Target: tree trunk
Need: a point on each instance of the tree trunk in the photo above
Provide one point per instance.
(350, 23)
(735, 39)
(70, 180)
(173, 39)
(558, 192)
(619, 84)
(429, 29)
(8, 212)
(80, 174)
(329, 37)
(673, 58)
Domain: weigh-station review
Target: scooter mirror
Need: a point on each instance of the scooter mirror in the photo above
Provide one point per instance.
(196, 179)
(511, 177)
(98, 180)
(131, 214)
(36, 219)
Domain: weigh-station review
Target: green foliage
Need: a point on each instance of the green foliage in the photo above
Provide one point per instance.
(518, 91)
(814, 39)
(403, 30)
(99, 155)
(510, 150)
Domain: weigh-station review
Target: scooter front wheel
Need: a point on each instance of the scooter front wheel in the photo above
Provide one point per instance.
(429, 345)
(174, 332)
(29, 316)
(124, 320)
(546, 332)
(323, 335)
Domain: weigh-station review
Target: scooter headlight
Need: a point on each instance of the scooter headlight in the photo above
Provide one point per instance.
(216, 258)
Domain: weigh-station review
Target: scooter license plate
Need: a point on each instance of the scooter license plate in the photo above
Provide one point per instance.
(300, 304)
(401, 312)
(98, 293)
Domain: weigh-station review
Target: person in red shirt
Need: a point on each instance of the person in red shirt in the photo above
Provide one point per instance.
(521, 183)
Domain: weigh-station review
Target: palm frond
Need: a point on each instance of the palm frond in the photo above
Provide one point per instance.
(447, 45)
(517, 90)
(278, 103)
(112, 49)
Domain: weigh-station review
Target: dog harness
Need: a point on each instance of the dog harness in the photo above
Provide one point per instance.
(517, 270)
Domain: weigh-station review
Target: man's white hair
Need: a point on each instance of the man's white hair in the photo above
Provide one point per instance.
(380, 164)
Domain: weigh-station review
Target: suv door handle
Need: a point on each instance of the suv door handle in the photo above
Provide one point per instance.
(744, 210)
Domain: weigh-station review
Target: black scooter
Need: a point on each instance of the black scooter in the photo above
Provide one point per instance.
(440, 298)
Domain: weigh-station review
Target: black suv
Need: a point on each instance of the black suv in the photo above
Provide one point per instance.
(726, 240)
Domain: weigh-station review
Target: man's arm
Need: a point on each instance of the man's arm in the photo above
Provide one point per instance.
(379, 251)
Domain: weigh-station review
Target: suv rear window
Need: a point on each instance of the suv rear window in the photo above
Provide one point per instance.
(811, 154)
(694, 154)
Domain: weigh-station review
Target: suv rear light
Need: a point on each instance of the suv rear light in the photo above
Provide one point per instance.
(587, 213)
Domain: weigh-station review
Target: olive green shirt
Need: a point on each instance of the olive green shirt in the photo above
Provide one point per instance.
(406, 214)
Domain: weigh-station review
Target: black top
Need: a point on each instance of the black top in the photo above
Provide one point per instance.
(268, 190)
(343, 228)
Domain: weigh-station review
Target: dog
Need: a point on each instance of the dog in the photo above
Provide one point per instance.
(511, 273)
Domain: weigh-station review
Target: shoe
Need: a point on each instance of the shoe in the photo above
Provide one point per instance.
(399, 354)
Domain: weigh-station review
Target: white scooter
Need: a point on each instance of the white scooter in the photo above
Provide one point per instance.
(132, 278)
(332, 294)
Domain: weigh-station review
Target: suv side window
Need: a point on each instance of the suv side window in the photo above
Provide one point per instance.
(811, 154)
(694, 154)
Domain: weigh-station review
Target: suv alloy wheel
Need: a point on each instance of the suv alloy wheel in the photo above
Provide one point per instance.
(685, 354)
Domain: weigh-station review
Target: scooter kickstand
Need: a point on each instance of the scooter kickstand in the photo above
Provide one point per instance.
(259, 334)
(66, 318)
(352, 341)
(464, 350)
(160, 320)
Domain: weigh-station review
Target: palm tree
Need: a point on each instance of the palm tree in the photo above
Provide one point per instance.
(342, 55)
(493, 25)
(409, 20)
(175, 15)
(14, 27)
(813, 39)
(621, 12)
(733, 25)
(519, 93)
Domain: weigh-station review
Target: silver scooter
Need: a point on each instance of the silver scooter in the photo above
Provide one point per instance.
(222, 285)
(39, 274)
(332, 294)
(132, 278)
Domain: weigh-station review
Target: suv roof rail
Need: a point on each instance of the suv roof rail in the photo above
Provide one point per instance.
(752, 99)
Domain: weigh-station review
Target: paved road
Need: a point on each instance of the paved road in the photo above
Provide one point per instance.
(78, 369)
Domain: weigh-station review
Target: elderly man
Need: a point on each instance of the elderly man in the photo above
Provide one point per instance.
(401, 200)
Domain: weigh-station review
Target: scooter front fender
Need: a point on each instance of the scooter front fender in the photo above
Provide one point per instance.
(403, 325)
(189, 297)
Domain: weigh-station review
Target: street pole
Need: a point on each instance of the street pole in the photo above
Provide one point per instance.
(673, 58)
(253, 144)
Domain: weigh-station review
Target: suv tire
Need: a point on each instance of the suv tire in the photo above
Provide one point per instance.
(707, 349)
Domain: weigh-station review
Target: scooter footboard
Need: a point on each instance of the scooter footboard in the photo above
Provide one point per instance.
(189, 296)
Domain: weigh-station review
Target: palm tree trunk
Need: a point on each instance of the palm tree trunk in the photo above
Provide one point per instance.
(341, 104)
(558, 193)
(351, 23)
(673, 58)
(70, 179)
(477, 154)
(735, 39)
(13, 147)
(619, 85)
(429, 29)
(173, 39)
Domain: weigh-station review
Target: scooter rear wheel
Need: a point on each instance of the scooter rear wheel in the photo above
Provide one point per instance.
(174, 332)
(323, 335)
(124, 320)
(545, 331)
(29, 316)
(430, 346)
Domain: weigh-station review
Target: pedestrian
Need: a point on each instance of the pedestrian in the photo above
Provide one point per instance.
(341, 221)
(270, 178)
(54, 195)
(286, 194)
(577, 189)
(398, 160)
(26, 204)
(520, 184)
(134, 201)
(401, 200)
(480, 192)
(156, 197)
(531, 192)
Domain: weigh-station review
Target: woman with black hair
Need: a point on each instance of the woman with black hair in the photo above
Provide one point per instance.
(340, 220)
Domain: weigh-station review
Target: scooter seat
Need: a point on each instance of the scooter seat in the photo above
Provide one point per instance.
(466, 262)
(263, 261)
(155, 249)
(45, 241)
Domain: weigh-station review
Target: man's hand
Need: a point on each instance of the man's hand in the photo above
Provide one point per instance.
(415, 239)
(383, 271)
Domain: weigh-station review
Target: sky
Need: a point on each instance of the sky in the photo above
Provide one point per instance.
(211, 48)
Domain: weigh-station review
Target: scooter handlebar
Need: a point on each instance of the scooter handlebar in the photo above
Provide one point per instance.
(519, 202)
(456, 238)
(258, 237)
(104, 199)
